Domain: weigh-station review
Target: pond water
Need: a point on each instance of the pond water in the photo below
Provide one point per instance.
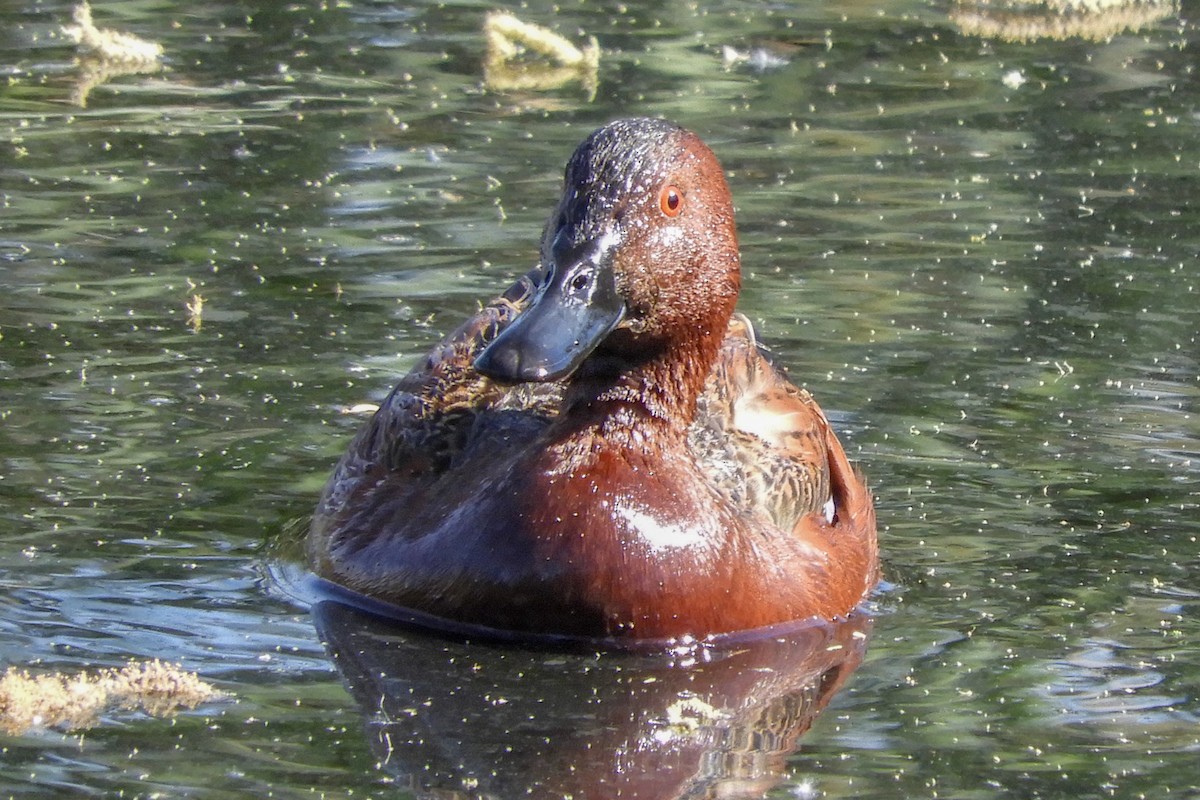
(980, 255)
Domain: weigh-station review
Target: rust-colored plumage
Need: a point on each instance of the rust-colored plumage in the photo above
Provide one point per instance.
(603, 450)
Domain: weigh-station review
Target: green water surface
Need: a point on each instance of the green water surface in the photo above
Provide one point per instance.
(980, 256)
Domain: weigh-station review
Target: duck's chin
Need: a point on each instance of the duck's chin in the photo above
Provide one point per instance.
(620, 357)
(633, 345)
(597, 376)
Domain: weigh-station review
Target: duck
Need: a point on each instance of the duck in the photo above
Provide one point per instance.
(605, 451)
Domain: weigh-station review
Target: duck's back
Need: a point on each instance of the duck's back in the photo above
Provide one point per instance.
(439, 413)
(763, 440)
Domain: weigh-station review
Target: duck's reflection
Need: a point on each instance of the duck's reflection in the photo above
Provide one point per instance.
(461, 719)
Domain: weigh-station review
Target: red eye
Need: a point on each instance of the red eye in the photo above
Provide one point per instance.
(670, 200)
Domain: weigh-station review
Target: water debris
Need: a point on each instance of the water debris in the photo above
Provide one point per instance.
(759, 59)
(109, 45)
(107, 54)
(361, 409)
(1014, 79)
(76, 701)
(195, 309)
(512, 50)
(1027, 20)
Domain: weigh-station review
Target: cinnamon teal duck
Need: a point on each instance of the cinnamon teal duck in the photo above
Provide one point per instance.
(603, 450)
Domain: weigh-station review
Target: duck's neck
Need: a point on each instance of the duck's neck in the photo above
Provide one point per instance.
(615, 396)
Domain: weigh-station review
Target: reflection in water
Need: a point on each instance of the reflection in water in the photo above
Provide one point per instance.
(495, 721)
(93, 72)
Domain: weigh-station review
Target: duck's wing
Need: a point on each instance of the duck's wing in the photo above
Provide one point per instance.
(765, 443)
(432, 419)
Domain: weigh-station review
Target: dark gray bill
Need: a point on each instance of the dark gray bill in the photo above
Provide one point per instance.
(570, 315)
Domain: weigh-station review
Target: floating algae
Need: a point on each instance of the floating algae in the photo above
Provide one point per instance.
(110, 45)
(1027, 20)
(107, 54)
(76, 701)
(508, 66)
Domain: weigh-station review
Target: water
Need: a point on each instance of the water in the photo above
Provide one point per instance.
(979, 255)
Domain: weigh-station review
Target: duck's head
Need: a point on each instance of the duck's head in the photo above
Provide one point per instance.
(640, 258)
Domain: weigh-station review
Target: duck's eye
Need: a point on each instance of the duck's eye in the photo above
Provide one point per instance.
(670, 200)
